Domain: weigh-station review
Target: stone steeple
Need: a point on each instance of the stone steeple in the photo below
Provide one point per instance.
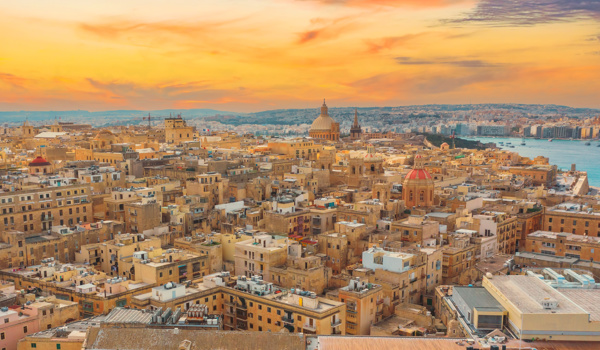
(355, 130)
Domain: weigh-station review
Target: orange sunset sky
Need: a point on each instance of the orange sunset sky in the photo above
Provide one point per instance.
(251, 55)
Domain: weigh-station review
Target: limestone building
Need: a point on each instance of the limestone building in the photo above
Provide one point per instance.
(177, 131)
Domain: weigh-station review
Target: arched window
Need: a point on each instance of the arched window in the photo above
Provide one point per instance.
(410, 195)
(422, 196)
(373, 167)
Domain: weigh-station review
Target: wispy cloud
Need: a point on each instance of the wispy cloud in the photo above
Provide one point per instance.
(528, 12)
(467, 63)
(388, 43)
(326, 29)
(117, 28)
(12, 80)
(389, 3)
(186, 92)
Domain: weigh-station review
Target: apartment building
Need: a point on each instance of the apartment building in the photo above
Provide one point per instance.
(458, 258)
(177, 131)
(210, 186)
(93, 292)
(573, 218)
(403, 275)
(251, 304)
(285, 217)
(257, 256)
(37, 210)
(364, 305)
(416, 229)
(301, 270)
(61, 243)
(563, 244)
(142, 215)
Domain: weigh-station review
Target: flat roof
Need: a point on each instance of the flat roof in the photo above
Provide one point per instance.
(478, 298)
(527, 293)
(587, 299)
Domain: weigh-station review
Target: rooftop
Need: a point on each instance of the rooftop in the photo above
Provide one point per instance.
(527, 293)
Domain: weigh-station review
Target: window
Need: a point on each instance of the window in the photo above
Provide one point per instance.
(25, 329)
(57, 346)
(2, 336)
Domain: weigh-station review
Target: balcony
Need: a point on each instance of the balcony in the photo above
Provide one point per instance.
(229, 312)
(336, 323)
(413, 280)
(47, 218)
(308, 329)
(379, 302)
(241, 306)
(287, 319)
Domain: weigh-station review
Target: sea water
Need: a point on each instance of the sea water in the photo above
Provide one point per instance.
(563, 153)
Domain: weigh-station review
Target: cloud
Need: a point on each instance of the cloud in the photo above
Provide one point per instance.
(466, 63)
(377, 45)
(328, 29)
(199, 92)
(12, 80)
(528, 12)
(118, 28)
(389, 3)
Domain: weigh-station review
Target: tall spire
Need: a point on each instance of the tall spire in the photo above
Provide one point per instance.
(355, 125)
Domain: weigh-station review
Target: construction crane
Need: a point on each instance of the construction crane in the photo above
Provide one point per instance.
(149, 118)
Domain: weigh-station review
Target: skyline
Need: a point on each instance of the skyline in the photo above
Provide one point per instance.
(260, 54)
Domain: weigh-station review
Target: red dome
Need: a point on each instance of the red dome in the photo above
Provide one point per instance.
(39, 161)
(418, 156)
(418, 174)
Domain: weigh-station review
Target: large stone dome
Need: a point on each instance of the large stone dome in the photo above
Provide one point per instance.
(324, 121)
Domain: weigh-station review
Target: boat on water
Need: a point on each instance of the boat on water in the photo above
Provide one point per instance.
(550, 140)
(587, 143)
(508, 143)
(523, 142)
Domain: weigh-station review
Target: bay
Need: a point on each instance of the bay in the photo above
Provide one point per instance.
(563, 153)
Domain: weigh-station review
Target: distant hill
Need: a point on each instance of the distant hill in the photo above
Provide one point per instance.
(114, 117)
(387, 114)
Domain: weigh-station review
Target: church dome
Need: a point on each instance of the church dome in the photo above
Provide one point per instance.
(39, 161)
(418, 174)
(324, 121)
